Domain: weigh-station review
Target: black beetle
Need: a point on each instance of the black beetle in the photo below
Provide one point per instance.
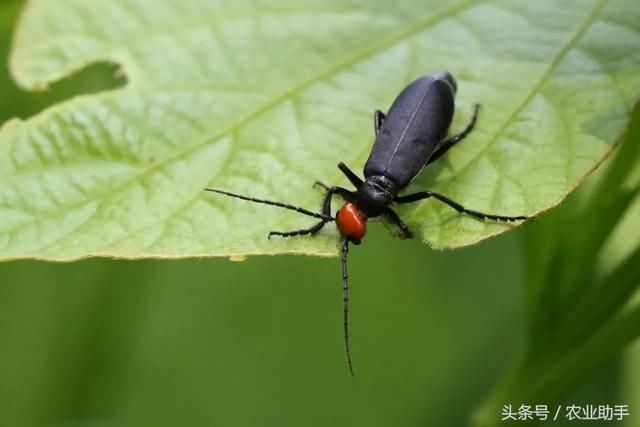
(411, 135)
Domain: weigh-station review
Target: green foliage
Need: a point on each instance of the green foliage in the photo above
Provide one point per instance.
(265, 99)
(243, 98)
(580, 304)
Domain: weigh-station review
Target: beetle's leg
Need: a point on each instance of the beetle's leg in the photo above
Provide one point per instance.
(453, 140)
(303, 231)
(378, 118)
(321, 185)
(393, 217)
(326, 212)
(340, 191)
(457, 206)
(352, 177)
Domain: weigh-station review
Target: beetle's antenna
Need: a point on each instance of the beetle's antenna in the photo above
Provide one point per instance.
(272, 203)
(345, 304)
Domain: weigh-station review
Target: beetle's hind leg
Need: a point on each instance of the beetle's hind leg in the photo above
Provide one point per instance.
(393, 217)
(378, 118)
(326, 212)
(453, 140)
(410, 198)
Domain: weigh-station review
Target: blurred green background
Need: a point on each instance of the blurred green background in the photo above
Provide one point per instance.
(217, 343)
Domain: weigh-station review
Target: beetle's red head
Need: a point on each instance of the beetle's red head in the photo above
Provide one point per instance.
(351, 223)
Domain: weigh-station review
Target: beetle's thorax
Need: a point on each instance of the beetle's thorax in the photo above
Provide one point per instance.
(375, 194)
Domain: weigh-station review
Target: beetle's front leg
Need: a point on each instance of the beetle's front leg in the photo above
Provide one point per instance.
(326, 211)
(393, 217)
(351, 176)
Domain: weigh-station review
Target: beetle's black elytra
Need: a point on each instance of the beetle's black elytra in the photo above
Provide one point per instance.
(413, 134)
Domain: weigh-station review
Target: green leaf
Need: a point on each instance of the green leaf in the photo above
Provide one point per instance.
(265, 98)
(579, 298)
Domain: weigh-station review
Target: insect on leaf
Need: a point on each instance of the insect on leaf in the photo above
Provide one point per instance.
(264, 98)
